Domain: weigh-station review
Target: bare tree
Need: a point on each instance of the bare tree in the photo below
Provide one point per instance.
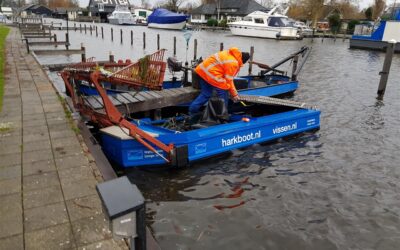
(377, 9)
(172, 5)
(266, 3)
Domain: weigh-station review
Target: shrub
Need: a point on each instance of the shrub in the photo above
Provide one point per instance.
(223, 23)
(212, 22)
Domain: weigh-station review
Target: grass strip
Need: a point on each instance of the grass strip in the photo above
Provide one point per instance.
(3, 34)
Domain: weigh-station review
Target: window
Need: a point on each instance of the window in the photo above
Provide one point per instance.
(101, 7)
(278, 22)
(196, 16)
(258, 20)
(247, 18)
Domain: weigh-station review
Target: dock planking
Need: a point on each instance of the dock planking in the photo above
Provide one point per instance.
(144, 100)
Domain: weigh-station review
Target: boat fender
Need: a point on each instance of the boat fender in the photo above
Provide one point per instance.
(180, 156)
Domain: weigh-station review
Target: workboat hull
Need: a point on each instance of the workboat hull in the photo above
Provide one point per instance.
(210, 141)
(168, 26)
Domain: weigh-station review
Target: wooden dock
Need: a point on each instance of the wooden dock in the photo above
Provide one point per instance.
(130, 102)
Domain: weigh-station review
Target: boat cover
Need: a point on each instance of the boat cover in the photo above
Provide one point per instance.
(163, 16)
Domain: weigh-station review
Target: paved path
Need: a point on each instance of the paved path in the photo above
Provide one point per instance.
(47, 178)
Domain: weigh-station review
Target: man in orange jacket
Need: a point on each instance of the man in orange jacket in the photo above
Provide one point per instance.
(217, 73)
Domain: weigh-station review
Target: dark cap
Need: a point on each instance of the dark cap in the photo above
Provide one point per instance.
(245, 57)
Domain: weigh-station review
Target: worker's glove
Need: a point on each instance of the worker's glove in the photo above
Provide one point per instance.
(235, 98)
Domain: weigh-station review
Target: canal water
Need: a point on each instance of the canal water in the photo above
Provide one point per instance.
(336, 188)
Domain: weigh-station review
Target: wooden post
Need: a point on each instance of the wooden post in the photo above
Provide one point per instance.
(80, 27)
(131, 37)
(112, 34)
(85, 29)
(27, 45)
(174, 45)
(195, 50)
(55, 40)
(144, 40)
(121, 35)
(158, 41)
(97, 32)
(251, 59)
(67, 41)
(83, 55)
(294, 68)
(221, 46)
(386, 68)
(75, 26)
(102, 33)
(111, 57)
(91, 30)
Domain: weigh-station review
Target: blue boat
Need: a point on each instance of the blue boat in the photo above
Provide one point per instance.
(165, 19)
(244, 128)
(386, 31)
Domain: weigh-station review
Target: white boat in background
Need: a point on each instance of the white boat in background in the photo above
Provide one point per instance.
(121, 15)
(165, 19)
(265, 25)
(305, 30)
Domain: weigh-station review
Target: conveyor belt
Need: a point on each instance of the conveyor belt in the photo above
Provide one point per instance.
(274, 101)
(130, 102)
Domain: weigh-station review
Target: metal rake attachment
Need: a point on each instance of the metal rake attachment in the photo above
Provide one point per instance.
(275, 101)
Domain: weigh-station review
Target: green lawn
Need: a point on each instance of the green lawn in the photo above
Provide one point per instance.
(3, 34)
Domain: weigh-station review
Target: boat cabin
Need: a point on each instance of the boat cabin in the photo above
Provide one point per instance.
(103, 8)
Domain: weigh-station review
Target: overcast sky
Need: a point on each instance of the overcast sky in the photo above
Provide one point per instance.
(362, 3)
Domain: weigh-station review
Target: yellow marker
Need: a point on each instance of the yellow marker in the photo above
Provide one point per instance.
(244, 104)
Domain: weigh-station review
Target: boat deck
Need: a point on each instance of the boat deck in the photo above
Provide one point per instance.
(129, 102)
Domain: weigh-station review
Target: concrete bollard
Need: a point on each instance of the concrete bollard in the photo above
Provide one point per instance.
(386, 68)
(80, 28)
(91, 30)
(97, 32)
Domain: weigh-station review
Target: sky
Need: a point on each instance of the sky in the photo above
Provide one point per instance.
(362, 3)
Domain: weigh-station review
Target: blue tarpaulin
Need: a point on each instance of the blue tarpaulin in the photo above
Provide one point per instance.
(163, 16)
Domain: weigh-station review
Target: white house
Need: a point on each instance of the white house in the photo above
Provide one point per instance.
(225, 9)
(7, 11)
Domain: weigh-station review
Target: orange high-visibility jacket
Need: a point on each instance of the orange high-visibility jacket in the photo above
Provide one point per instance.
(220, 69)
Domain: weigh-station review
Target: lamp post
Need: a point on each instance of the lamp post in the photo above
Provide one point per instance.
(124, 206)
